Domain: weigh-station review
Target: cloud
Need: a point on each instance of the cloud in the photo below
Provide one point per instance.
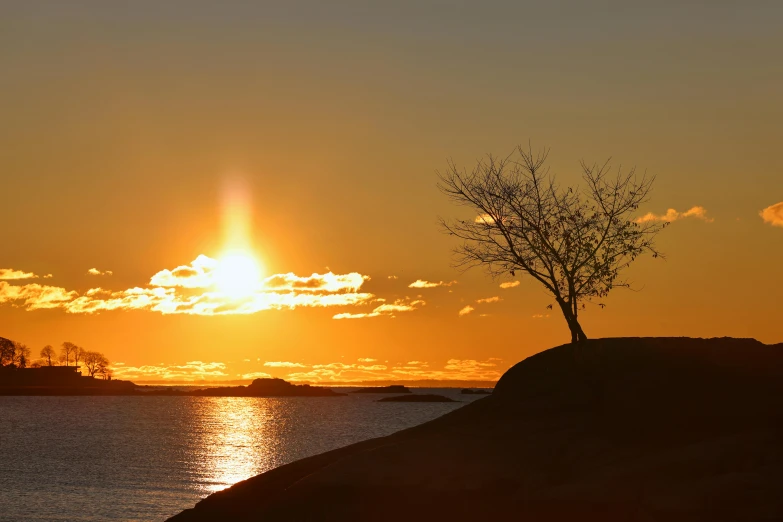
(9, 274)
(485, 218)
(35, 296)
(199, 274)
(466, 310)
(509, 284)
(386, 309)
(328, 282)
(454, 369)
(391, 277)
(672, 215)
(192, 370)
(494, 299)
(283, 364)
(773, 215)
(256, 375)
(96, 272)
(334, 366)
(470, 364)
(539, 316)
(373, 368)
(428, 284)
(192, 290)
(366, 359)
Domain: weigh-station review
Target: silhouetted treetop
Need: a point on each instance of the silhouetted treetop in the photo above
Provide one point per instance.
(573, 241)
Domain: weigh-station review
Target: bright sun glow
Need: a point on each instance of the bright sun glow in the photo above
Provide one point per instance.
(237, 274)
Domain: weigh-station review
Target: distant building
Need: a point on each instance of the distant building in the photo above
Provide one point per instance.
(43, 376)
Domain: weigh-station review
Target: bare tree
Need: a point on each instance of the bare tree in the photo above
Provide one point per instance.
(78, 353)
(22, 355)
(95, 362)
(66, 352)
(574, 242)
(47, 352)
(7, 351)
(104, 371)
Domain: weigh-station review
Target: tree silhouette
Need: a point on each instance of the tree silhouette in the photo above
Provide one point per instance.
(67, 351)
(7, 351)
(575, 243)
(95, 362)
(78, 353)
(22, 355)
(104, 370)
(47, 352)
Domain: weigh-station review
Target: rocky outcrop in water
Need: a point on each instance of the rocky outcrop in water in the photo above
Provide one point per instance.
(267, 388)
(394, 388)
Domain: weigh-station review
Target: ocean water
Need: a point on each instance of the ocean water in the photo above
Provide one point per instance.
(147, 458)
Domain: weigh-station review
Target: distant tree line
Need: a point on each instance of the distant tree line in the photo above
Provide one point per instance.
(17, 354)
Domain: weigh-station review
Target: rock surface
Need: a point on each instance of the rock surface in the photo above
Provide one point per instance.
(417, 397)
(632, 430)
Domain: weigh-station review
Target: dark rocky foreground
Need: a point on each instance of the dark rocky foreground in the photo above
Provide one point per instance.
(632, 430)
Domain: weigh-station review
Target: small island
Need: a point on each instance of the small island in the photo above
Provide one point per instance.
(265, 388)
(468, 391)
(53, 375)
(394, 388)
(424, 397)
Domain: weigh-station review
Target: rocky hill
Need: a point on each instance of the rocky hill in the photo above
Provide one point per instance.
(631, 429)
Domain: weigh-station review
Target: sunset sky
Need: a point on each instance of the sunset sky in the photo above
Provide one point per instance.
(155, 156)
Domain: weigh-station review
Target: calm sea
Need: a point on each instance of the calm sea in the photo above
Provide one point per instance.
(147, 458)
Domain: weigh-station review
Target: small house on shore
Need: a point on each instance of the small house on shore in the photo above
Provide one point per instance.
(43, 376)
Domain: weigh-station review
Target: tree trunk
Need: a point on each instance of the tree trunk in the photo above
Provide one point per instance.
(577, 334)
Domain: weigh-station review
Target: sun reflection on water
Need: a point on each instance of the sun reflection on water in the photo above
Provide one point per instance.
(237, 439)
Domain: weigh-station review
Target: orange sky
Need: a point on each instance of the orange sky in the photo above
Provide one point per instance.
(135, 139)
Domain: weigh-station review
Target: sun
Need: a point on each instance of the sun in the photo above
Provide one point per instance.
(237, 274)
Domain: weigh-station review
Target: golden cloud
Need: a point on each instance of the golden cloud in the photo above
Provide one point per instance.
(256, 375)
(672, 215)
(190, 371)
(454, 369)
(386, 309)
(8, 274)
(466, 310)
(773, 215)
(192, 289)
(35, 296)
(509, 284)
(283, 364)
(96, 272)
(494, 299)
(199, 274)
(328, 282)
(428, 284)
